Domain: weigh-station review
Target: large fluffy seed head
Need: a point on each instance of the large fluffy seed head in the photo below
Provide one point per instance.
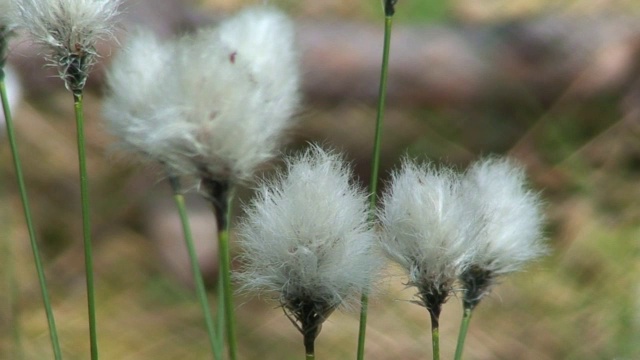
(425, 225)
(496, 190)
(232, 108)
(306, 235)
(69, 29)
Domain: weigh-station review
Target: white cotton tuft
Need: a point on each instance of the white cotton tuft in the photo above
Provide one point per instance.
(425, 226)
(223, 112)
(306, 236)
(70, 30)
(496, 191)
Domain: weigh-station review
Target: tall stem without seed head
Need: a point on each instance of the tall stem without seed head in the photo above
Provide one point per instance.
(375, 169)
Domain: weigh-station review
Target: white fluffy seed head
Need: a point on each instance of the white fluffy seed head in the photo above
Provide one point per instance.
(307, 236)
(425, 226)
(69, 29)
(496, 191)
(232, 109)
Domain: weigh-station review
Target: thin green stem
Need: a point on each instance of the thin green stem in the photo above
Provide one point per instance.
(86, 222)
(435, 342)
(375, 169)
(195, 267)
(462, 335)
(53, 333)
(220, 319)
(9, 261)
(225, 268)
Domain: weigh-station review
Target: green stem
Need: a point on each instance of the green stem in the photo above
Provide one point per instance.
(435, 341)
(375, 169)
(225, 268)
(462, 335)
(53, 333)
(309, 356)
(220, 325)
(195, 268)
(86, 221)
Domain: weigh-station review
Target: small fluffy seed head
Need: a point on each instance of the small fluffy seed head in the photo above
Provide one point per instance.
(425, 226)
(496, 191)
(226, 105)
(70, 30)
(306, 236)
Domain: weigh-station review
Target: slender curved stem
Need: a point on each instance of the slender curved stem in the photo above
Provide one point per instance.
(462, 335)
(195, 268)
(86, 222)
(53, 333)
(375, 169)
(225, 268)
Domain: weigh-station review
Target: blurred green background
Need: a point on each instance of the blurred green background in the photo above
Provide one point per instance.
(582, 154)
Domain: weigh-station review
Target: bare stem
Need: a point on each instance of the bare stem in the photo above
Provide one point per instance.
(216, 348)
(375, 169)
(462, 335)
(53, 333)
(86, 222)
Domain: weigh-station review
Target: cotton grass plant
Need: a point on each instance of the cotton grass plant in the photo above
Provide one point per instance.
(213, 106)
(308, 242)
(446, 228)
(426, 230)
(510, 214)
(68, 30)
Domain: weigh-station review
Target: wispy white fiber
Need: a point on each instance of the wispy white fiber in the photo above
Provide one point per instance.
(69, 29)
(224, 97)
(426, 227)
(496, 190)
(139, 108)
(306, 236)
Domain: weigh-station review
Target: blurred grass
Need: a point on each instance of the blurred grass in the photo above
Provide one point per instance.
(581, 302)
